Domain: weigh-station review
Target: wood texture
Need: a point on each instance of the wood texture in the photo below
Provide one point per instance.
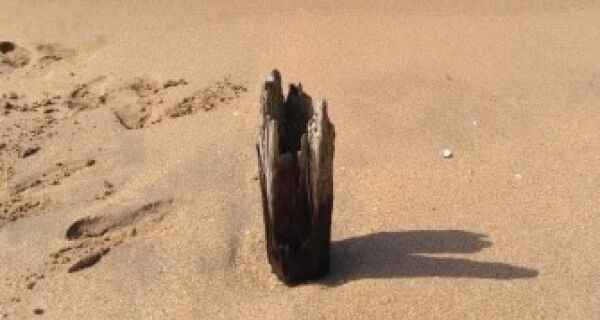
(295, 152)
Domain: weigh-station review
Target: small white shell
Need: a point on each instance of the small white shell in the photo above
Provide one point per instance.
(446, 153)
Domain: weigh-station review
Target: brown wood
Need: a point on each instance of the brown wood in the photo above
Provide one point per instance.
(295, 153)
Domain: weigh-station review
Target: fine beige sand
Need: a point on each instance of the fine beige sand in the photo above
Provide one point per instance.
(129, 171)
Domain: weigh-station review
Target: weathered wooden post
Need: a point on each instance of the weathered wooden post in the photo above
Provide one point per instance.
(295, 154)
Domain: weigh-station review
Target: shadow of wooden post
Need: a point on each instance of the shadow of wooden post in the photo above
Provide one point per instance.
(295, 154)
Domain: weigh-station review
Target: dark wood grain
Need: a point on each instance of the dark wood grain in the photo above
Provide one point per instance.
(295, 152)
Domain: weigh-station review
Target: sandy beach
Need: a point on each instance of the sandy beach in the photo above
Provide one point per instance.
(128, 173)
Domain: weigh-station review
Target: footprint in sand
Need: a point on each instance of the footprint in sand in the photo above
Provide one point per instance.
(21, 203)
(87, 96)
(26, 123)
(93, 237)
(50, 53)
(17, 207)
(52, 176)
(13, 56)
(138, 103)
(133, 104)
(141, 102)
(97, 226)
(131, 112)
(207, 99)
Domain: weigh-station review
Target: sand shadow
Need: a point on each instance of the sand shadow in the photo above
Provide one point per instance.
(409, 254)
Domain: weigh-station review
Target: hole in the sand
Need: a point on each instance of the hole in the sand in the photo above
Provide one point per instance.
(7, 46)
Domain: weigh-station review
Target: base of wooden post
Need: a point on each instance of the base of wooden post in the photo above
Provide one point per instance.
(295, 153)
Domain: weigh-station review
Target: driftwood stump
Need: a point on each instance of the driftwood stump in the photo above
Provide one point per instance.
(295, 154)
